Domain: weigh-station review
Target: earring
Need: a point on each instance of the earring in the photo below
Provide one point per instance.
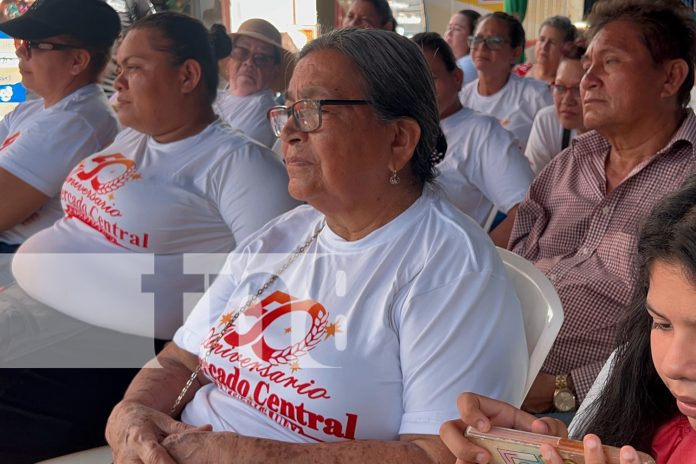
(394, 179)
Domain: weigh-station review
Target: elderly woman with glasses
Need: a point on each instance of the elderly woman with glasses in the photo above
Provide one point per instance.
(61, 57)
(253, 68)
(343, 330)
(495, 47)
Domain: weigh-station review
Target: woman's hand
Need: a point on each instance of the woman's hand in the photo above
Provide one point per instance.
(592, 452)
(483, 412)
(201, 447)
(135, 433)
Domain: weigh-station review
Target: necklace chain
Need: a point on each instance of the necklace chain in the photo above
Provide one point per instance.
(251, 300)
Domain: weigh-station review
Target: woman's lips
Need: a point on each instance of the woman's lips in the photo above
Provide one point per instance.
(687, 406)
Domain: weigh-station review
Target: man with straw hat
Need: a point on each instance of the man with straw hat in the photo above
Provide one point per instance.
(257, 68)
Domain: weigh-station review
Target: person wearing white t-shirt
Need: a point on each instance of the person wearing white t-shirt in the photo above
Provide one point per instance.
(556, 35)
(254, 65)
(43, 139)
(483, 166)
(555, 126)
(461, 25)
(98, 286)
(342, 330)
(514, 101)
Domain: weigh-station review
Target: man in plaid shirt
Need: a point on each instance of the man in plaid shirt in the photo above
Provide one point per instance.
(579, 222)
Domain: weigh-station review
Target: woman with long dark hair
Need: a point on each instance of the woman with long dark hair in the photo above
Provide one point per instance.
(654, 364)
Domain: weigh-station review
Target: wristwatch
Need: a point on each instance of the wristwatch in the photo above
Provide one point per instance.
(563, 398)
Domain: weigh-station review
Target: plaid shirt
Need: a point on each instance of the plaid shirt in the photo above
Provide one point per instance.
(584, 240)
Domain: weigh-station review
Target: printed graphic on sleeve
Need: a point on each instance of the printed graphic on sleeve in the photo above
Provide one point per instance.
(9, 140)
(89, 195)
(248, 366)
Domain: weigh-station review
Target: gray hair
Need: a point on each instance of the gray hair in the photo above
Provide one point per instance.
(397, 83)
(563, 24)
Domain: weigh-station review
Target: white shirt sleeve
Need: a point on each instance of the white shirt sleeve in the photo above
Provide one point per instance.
(43, 155)
(501, 172)
(5, 126)
(456, 338)
(250, 189)
(542, 146)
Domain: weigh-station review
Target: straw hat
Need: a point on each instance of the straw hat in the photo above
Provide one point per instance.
(260, 29)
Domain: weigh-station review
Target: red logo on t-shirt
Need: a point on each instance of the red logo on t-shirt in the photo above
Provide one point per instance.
(273, 386)
(254, 337)
(103, 182)
(9, 140)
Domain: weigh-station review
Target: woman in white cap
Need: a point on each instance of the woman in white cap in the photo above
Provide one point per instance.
(254, 66)
(61, 58)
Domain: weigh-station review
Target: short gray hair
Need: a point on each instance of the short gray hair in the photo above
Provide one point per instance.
(563, 24)
(397, 83)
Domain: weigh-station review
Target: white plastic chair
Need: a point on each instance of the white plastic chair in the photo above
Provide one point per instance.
(100, 455)
(541, 309)
(490, 218)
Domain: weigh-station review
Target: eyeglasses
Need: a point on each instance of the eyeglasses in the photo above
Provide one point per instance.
(494, 42)
(28, 45)
(561, 90)
(305, 113)
(242, 54)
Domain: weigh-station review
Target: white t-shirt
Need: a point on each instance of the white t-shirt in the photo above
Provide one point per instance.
(466, 64)
(546, 138)
(248, 114)
(366, 339)
(41, 146)
(483, 166)
(202, 194)
(515, 105)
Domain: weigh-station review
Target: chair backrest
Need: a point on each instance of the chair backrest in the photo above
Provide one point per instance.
(541, 309)
(490, 218)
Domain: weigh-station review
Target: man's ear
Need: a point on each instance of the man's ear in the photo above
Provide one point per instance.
(676, 72)
(459, 76)
(406, 136)
(190, 74)
(516, 54)
(81, 61)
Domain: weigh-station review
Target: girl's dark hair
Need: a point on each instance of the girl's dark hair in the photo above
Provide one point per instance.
(222, 43)
(99, 58)
(436, 44)
(398, 84)
(186, 38)
(667, 29)
(573, 52)
(384, 11)
(514, 27)
(635, 401)
(473, 17)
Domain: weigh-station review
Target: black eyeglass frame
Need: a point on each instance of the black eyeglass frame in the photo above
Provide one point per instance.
(561, 90)
(28, 45)
(290, 111)
(266, 60)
